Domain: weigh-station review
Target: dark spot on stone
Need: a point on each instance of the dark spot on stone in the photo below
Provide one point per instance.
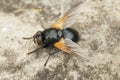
(94, 45)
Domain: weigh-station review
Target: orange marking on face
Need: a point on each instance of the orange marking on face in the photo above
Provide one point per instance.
(35, 40)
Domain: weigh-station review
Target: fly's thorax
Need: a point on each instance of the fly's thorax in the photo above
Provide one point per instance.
(51, 36)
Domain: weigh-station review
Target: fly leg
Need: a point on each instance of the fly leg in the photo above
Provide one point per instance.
(28, 37)
(38, 33)
(49, 57)
(43, 26)
(34, 50)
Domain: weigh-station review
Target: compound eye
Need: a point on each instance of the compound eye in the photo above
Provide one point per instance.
(37, 37)
(39, 40)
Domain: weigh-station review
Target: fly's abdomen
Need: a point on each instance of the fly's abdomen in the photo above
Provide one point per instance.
(50, 36)
(71, 34)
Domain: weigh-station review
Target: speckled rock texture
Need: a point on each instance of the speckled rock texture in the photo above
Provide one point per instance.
(98, 24)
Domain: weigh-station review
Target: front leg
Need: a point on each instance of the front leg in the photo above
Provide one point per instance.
(34, 50)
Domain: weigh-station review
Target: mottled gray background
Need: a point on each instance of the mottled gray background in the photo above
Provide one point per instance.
(98, 24)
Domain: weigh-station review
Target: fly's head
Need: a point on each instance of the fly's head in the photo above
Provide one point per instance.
(37, 38)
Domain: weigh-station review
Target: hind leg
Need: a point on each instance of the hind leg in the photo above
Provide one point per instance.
(49, 57)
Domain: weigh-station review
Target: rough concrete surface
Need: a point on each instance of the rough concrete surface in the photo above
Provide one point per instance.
(98, 23)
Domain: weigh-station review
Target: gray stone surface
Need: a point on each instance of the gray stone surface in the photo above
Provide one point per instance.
(98, 23)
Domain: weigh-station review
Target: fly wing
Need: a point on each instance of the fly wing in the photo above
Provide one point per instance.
(67, 18)
(72, 48)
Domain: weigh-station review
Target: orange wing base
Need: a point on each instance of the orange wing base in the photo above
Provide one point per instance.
(59, 23)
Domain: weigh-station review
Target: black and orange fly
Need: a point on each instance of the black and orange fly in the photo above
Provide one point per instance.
(63, 39)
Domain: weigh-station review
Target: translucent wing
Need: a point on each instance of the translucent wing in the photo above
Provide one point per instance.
(68, 16)
(72, 48)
